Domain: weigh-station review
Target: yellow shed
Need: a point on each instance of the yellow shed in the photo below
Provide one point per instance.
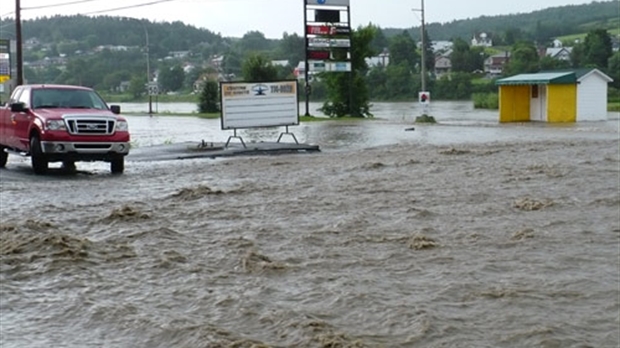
(556, 96)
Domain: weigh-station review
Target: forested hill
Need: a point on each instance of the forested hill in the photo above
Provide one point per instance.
(543, 24)
(123, 31)
(176, 36)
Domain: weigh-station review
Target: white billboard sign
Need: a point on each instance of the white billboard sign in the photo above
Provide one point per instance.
(328, 2)
(321, 66)
(259, 104)
(338, 66)
(317, 66)
(324, 42)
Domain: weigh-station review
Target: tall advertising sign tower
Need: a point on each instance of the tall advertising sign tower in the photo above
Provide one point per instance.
(327, 32)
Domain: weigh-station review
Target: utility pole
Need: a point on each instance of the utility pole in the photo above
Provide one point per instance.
(148, 71)
(423, 55)
(307, 88)
(18, 42)
(424, 95)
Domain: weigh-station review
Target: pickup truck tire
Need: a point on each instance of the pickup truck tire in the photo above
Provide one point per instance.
(39, 162)
(3, 157)
(117, 165)
(69, 166)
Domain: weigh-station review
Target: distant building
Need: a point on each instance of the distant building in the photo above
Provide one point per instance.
(443, 65)
(380, 60)
(481, 40)
(178, 54)
(559, 53)
(494, 65)
(441, 46)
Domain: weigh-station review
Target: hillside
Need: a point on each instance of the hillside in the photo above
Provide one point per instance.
(540, 25)
(543, 24)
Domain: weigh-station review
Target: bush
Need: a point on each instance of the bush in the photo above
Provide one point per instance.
(210, 97)
(486, 100)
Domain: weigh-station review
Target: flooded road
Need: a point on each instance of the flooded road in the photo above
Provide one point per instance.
(462, 234)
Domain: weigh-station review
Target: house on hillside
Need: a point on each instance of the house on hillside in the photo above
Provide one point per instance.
(494, 65)
(482, 40)
(559, 53)
(443, 65)
(556, 96)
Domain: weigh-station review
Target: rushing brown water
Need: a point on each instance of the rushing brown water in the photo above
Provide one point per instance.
(489, 243)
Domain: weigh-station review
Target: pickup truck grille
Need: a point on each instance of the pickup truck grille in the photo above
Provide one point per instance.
(90, 126)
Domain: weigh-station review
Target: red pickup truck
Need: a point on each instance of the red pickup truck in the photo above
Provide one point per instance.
(62, 123)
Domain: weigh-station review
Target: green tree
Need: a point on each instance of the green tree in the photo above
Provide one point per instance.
(550, 63)
(112, 81)
(377, 78)
(171, 78)
(429, 54)
(400, 81)
(460, 55)
(597, 48)
(523, 59)
(258, 68)
(380, 42)
(232, 64)
(137, 86)
(292, 48)
(254, 41)
(614, 69)
(77, 73)
(347, 91)
(456, 85)
(403, 51)
(209, 99)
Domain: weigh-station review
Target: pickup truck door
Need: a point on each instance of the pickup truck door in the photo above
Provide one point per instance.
(21, 122)
(6, 121)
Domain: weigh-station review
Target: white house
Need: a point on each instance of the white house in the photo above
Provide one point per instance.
(482, 40)
(560, 53)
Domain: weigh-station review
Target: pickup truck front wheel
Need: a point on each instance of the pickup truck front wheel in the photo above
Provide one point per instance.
(117, 165)
(39, 162)
(3, 157)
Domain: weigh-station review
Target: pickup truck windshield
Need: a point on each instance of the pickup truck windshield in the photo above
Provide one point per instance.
(66, 98)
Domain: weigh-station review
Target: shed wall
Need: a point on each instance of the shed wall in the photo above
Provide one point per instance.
(514, 103)
(562, 103)
(592, 99)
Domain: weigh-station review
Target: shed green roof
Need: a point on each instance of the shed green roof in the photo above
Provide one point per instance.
(547, 78)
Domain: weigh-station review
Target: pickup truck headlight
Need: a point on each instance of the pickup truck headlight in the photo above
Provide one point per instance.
(56, 125)
(122, 126)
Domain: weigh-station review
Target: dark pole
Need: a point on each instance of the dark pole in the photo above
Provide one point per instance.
(148, 73)
(350, 60)
(18, 42)
(423, 53)
(306, 67)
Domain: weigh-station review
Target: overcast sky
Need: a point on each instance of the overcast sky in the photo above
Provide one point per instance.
(274, 17)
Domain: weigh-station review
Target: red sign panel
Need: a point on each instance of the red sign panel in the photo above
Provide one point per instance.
(327, 30)
(318, 55)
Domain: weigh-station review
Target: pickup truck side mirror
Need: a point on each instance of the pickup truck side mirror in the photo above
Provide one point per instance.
(18, 107)
(116, 109)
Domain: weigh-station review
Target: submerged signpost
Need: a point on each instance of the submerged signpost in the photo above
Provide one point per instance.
(328, 40)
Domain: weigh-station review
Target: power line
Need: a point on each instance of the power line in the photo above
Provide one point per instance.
(127, 7)
(57, 5)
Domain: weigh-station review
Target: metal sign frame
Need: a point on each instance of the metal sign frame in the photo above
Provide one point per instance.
(5, 60)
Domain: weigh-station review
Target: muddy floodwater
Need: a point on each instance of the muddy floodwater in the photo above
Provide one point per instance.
(467, 233)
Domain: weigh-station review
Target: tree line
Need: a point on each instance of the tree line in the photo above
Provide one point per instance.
(77, 38)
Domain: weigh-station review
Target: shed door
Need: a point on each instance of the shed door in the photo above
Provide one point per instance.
(538, 103)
